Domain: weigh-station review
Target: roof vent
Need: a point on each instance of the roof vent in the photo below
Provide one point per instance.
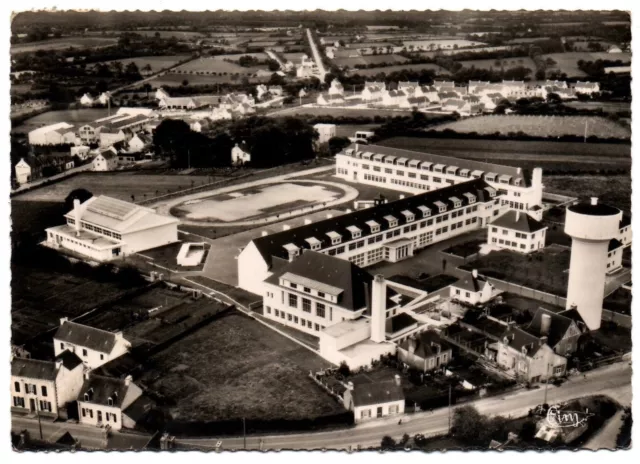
(594, 201)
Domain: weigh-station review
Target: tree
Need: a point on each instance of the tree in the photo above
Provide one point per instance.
(77, 194)
(553, 98)
(185, 83)
(541, 74)
(147, 88)
(336, 144)
(131, 70)
(388, 443)
(344, 370)
(468, 424)
(170, 136)
(272, 65)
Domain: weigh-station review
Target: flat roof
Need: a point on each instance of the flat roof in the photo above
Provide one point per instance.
(342, 328)
(594, 210)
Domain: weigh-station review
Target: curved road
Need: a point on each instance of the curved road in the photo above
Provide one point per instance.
(613, 380)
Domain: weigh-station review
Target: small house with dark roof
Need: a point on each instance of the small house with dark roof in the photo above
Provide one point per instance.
(426, 351)
(472, 289)
(561, 331)
(103, 401)
(614, 256)
(240, 154)
(526, 357)
(93, 346)
(517, 231)
(370, 400)
(45, 387)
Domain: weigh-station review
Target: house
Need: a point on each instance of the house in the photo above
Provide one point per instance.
(276, 90)
(373, 91)
(240, 154)
(104, 228)
(563, 92)
(128, 158)
(561, 331)
(34, 167)
(408, 87)
(104, 98)
(325, 99)
(517, 231)
(415, 102)
(370, 400)
(261, 91)
(93, 346)
(53, 134)
(45, 387)
(474, 289)
(426, 351)
(24, 172)
(614, 256)
(558, 84)
(221, 114)
(243, 109)
(162, 94)
(325, 131)
(444, 85)
(510, 88)
(427, 91)
(87, 100)
(81, 151)
(336, 88)
(139, 142)
(107, 160)
(232, 100)
(394, 97)
(104, 401)
(473, 85)
(526, 357)
(586, 87)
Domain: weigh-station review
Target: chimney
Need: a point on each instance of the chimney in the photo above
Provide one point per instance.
(264, 233)
(86, 375)
(77, 215)
(58, 364)
(545, 324)
(378, 309)
(536, 177)
(286, 227)
(517, 216)
(350, 386)
(307, 222)
(397, 378)
(474, 273)
(63, 320)
(127, 380)
(357, 148)
(594, 201)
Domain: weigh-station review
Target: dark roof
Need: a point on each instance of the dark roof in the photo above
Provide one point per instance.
(519, 339)
(89, 337)
(573, 314)
(625, 221)
(614, 244)
(448, 161)
(139, 409)
(119, 367)
(100, 389)
(557, 329)
(366, 394)
(401, 322)
(69, 360)
(519, 221)
(33, 369)
(332, 271)
(272, 245)
(426, 344)
(470, 283)
(599, 209)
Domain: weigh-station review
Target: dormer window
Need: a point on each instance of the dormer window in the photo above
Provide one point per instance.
(110, 401)
(292, 250)
(314, 243)
(442, 207)
(452, 170)
(355, 232)
(335, 237)
(86, 396)
(393, 222)
(457, 202)
(409, 216)
(471, 197)
(492, 192)
(375, 227)
(490, 177)
(516, 182)
(426, 212)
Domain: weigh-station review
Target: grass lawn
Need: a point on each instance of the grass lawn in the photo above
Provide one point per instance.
(157, 63)
(614, 190)
(337, 112)
(167, 256)
(63, 43)
(234, 368)
(466, 249)
(243, 297)
(369, 59)
(568, 62)
(401, 67)
(498, 64)
(215, 65)
(619, 301)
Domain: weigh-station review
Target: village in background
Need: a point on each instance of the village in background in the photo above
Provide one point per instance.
(320, 230)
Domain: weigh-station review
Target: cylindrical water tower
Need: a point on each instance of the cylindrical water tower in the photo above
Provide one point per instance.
(591, 227)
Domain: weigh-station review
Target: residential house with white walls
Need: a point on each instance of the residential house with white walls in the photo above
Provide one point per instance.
(444, 85)
(587, 87)
(517, 231)
(373, 91)
(45, 387)
(93, 346)
(325, 132)
(325, 99)
(376, 399)
(87, 100)
(425, 351)
(472, 289)
(394, 97)
(106, 160)
(336, 88)
(240, 154)
(562, 332)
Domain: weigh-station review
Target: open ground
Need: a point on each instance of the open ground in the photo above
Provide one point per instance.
(497, 64)
(63, 43)
(540, 126)
(567, 63)
(401, 67)
(157, 63)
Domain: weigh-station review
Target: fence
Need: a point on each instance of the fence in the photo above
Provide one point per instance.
(619, 319)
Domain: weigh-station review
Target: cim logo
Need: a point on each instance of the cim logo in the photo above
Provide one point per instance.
(559, 418)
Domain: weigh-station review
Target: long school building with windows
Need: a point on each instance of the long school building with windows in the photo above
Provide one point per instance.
(387, 232)
(416, 172)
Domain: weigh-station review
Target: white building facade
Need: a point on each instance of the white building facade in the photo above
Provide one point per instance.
(517, 231)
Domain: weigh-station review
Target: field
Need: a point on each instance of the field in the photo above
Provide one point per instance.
(118, 185)
(557, 156)
(214, 65)
(30, 218)
(79, 116)
(348, 130)
(614, 190)
(497, 64)
(540, 126)
(370, 59)
(234, 368)
(337, 112)
(173, 79)
(442, 44)
(568, 62)
(402, 67)
(607, 106)
(63, 43)
(157, 63)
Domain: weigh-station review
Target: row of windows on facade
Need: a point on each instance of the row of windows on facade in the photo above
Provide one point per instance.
(517, 234)
(295, 319)
(30, 388)
(85, 353)
(109, 416)
(509, 243)
(18, 402)
(366, 413)
(321, 308)
(337, 239)
(96, 229)
(80, 244)
(451, 171)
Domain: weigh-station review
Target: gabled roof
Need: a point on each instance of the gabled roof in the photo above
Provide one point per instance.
(470, 283)
(100, 389)
(557, 329)
(85, 336)
(401, 322)
(33, 369)
(519, 339)
(69, 360)
(520, 222)
(614, 244)
(366, 394)
(331, 271)
(272, 245)
(426, 344)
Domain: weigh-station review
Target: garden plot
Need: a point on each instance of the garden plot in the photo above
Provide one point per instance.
(252, 203)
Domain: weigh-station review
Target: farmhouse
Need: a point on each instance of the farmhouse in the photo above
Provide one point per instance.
(415, 172)
(386, 232)
(240, 154)
(104, 228)
(370, 400)
(104, 401)
(107, 160)
(526, 357)
(45, 386)
(426, 351)
(517, 231)
(474, 289)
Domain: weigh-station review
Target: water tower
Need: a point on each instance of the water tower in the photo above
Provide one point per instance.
(591, 226)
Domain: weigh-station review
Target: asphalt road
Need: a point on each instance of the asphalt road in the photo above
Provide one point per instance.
(614, 381)
(316, 55)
